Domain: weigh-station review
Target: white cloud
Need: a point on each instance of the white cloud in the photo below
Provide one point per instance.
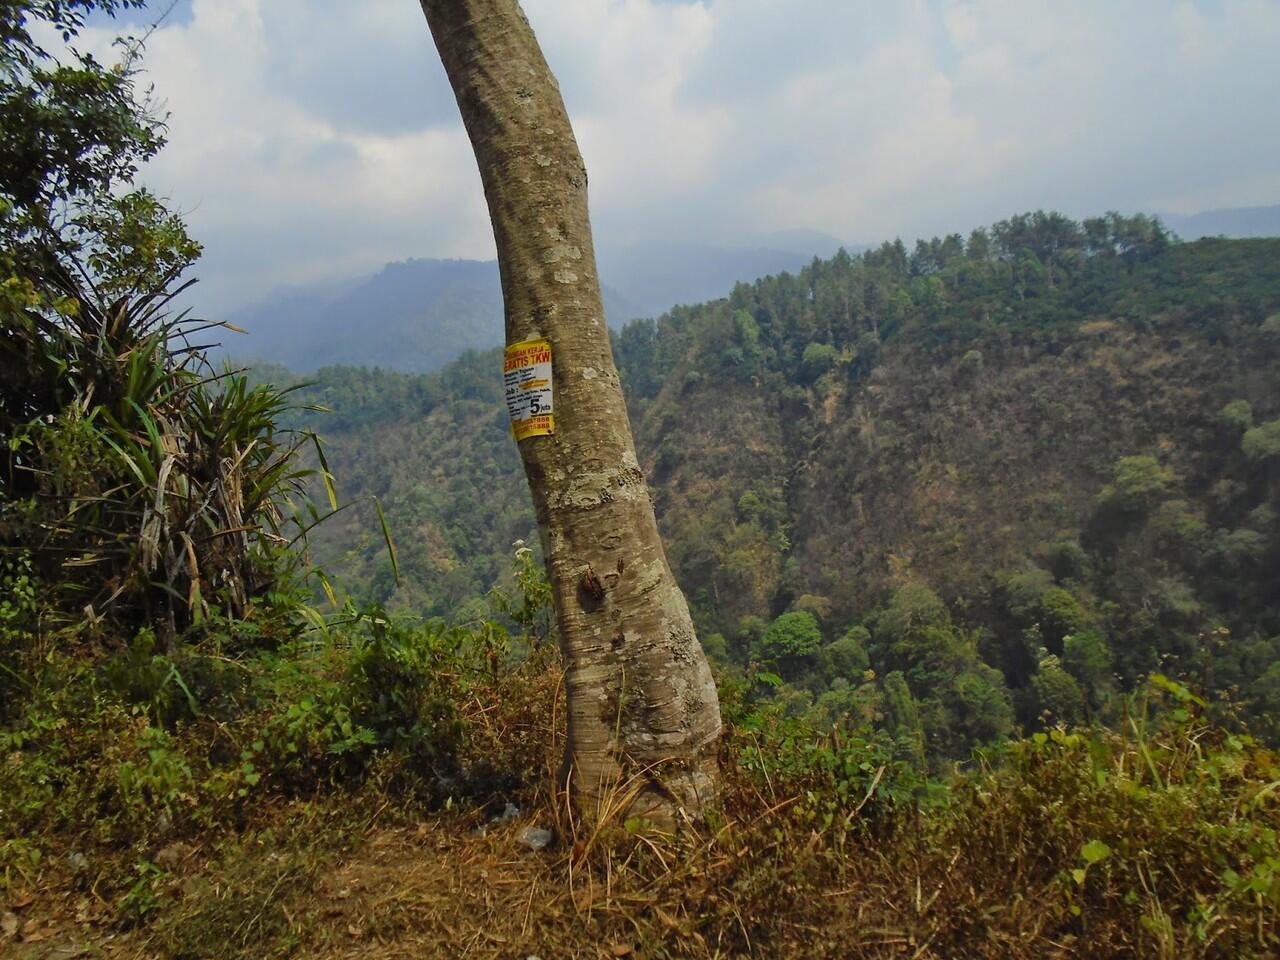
(317, 138)
(624, 66)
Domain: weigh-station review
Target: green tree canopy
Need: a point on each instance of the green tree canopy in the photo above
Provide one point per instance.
(847, 657)
(1238, 415)
(1137, 483)
(791, 636)
(1262, 442)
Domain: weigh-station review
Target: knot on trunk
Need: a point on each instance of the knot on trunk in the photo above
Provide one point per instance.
(590, 590)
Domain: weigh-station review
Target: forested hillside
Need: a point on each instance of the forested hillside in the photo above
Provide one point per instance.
(955, 490)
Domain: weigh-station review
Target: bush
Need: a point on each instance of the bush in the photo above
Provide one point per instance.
(1137, 484)
(790, 637)
(1059, 697)
(1262, 442)
(1237, 415)
(847, 657)
(818, 358)
(18, 613)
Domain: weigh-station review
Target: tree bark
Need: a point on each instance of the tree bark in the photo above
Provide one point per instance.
(642, 707)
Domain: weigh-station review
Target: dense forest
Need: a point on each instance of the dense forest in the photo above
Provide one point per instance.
(957, 491)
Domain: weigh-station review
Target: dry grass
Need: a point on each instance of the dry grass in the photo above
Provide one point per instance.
(985, 874)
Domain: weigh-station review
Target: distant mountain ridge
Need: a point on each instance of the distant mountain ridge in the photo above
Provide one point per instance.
(1240, 223)
(416, 315)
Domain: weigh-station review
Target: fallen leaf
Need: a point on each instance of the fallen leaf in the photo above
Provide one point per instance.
(621, 950)
(8, 925)
(26, 900)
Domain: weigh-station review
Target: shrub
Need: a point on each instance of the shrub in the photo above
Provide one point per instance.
(1137, 483)
(817, 359)
(790, 637)
(1237, 415)
(1059, 697)
(1262, 442)
(847, 657)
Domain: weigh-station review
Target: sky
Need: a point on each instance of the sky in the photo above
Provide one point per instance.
(315, 140)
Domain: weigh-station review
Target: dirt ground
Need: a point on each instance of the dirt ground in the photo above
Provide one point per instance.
(451, 888)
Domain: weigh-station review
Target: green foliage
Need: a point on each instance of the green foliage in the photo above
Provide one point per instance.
(1086, 657)
(1105, 806)
(902, 714)
(716, 647)
(817, 359)
(167, 492)
(837, 778)
(792, 636)
(1178, 527)
(1137, 484)
(1066, 560)
(847, 657)
(146, 895)
(389, 704)
(914, 607)
(531, 607)
(75, 133)
(144, 677)
(142, 486)
(1237, 415)
(1034, 601)
(1263, 693)
(1059, 696)
(1262, 442)
(159, 780)
(974, 708)
(19, 611)
(400, 696)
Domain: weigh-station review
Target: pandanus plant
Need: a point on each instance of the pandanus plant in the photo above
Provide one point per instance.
(145, 483)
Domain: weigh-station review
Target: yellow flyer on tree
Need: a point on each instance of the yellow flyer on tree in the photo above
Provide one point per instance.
(526, 373)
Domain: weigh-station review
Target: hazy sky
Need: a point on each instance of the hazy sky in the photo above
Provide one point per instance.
(315, 139)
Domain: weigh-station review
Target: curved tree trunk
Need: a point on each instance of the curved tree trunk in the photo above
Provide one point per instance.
(642, 706)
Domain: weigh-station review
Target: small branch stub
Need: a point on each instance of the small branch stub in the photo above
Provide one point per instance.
(591, 587)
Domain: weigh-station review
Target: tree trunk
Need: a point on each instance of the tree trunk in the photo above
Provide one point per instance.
(642, 705)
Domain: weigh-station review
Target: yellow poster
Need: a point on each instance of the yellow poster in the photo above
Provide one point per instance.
(526, 374)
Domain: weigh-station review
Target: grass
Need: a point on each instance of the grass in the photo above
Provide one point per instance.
(1159, 840)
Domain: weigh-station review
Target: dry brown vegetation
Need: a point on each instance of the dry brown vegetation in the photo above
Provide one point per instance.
(1159, 843)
